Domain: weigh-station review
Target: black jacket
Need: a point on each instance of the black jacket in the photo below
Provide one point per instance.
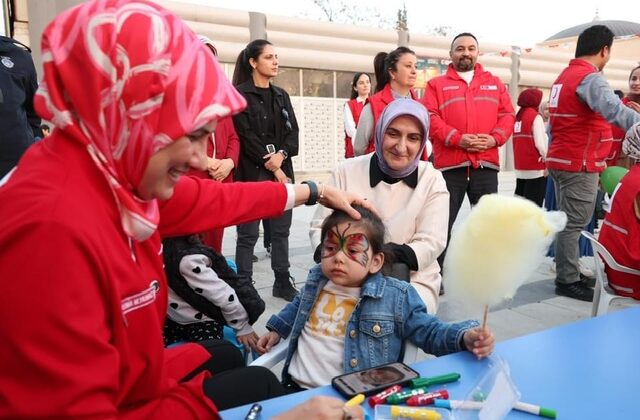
(19, 122)
(251, 127)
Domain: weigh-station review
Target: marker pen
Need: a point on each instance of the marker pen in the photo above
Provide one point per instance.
(400, 397)
(357, 400)
(434, 380)
(254, 412)
(414, 413)
(477, 405)
(381, 397)
(426, 399)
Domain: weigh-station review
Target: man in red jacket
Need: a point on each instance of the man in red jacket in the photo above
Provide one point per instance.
(471, 116)
(582, 106)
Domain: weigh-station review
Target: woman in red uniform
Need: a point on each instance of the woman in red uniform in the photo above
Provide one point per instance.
(134, 95)
(223, 149)
(396, 75)
(632, 100)
(360, 89)
(620, 232)
(530, 147)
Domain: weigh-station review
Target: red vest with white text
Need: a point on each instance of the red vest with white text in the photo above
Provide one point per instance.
(356, 109)
(620, 234)
(580, 137)
(526, 156)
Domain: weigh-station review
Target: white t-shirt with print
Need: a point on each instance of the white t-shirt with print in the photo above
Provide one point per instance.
(320, 351)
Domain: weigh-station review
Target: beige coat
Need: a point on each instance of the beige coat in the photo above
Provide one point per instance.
(416, 217)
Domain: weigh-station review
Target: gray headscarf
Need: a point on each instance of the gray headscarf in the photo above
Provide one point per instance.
(395, 109)
(631, 143)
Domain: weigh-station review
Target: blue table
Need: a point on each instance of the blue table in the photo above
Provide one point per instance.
(589, 369)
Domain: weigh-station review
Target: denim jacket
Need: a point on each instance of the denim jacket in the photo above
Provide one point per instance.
(388, 312)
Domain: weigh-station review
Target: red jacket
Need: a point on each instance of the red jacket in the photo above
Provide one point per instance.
(620, 234)
(356, 109)
(378, 102)
(580, 137)
(526, 156)
(227, 146)
(80, 318)
(455, 108)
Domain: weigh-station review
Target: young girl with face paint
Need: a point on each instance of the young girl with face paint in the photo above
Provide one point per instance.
(349, 316)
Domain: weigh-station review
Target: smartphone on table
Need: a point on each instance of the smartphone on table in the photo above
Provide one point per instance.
(373, 380)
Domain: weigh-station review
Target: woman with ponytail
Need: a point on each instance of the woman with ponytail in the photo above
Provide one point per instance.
(395, 77)
(360, 89)
(268, 133)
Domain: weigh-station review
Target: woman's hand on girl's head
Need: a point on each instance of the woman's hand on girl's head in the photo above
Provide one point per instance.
(479, 341)
(267, 341)
(335, 198)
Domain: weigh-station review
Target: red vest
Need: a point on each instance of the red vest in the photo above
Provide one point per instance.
(378, 102)
(580, 137)
(526, 156)
(356, 109)
(620, 234)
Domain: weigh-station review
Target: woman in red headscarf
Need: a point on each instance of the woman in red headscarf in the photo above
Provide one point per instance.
(133, 94)
(530, 147)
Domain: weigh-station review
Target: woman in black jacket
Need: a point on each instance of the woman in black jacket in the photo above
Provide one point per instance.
(268, 134)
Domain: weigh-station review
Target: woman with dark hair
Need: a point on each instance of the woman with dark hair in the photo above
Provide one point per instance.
(268, 133)
(360, 89)
(395, 77)
(530, 147)
(632, 100)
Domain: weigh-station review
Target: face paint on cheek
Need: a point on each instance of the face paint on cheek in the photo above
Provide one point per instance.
(354, 246)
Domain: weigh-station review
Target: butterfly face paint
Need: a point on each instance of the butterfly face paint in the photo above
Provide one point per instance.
(354, 246)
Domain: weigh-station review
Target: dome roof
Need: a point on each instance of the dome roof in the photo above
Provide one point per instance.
(619, 28)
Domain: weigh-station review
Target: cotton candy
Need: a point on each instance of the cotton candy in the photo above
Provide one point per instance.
(497, 247)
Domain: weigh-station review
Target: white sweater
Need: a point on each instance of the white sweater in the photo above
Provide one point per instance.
(416, 217)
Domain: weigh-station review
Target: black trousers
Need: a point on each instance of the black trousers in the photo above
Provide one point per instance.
(532, 189)
(233, 384)
(466, 181)
(248, 236)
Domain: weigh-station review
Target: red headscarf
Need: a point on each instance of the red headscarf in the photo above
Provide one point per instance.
(529, 98)
(126, 78)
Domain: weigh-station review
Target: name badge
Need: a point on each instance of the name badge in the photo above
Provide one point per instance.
(517, 127)
(488, 87)
(554, 97)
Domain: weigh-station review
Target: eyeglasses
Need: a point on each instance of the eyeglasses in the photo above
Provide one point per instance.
(287, 122)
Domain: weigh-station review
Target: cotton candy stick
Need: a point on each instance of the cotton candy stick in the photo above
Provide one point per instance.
(496, 248)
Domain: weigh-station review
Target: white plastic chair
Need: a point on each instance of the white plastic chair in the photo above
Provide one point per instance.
(603, 295)
(279, 352)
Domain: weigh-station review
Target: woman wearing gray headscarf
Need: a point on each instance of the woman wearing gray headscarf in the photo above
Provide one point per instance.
(620, 232)
(410, 195)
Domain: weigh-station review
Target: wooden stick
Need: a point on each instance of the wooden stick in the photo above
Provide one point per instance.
(484, 318)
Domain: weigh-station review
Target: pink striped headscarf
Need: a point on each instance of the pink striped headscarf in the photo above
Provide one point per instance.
(126, 78)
